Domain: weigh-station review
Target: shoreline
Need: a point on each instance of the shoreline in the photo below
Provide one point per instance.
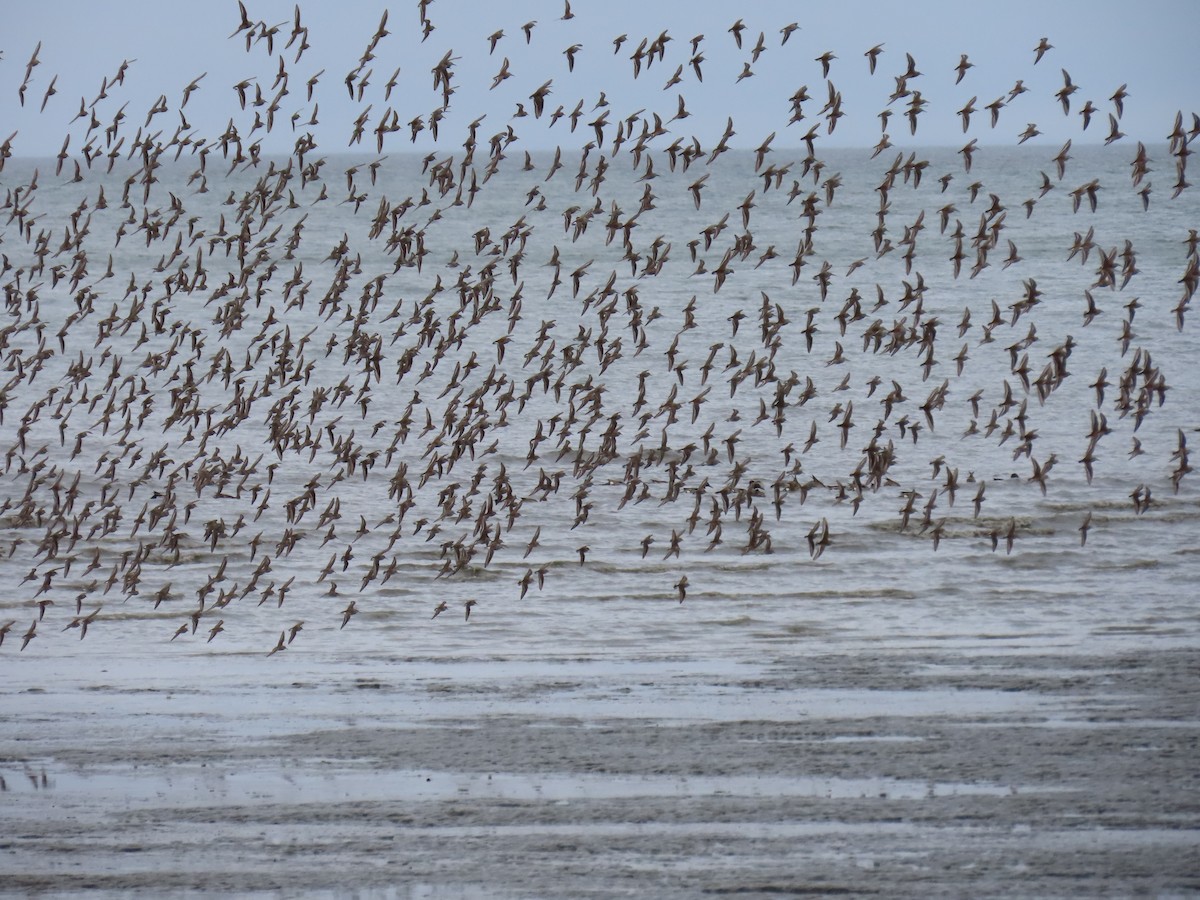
(908, 773)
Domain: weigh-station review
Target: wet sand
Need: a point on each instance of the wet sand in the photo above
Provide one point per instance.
(987, 765)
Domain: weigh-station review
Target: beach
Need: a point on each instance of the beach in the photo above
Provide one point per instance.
(821, 761)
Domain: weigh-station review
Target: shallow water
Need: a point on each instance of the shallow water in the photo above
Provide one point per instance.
(988, 764)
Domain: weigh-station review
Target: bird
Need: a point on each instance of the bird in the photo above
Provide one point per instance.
(570, 53)
(872, 56)
(50, 92)
(226, 336)
(961, 68)
(1118, 99)
(1064, 93)
(1114, 133)
(966, 112)
(1060, 160)
(502, 75)
(736, 30)
(1087, 111)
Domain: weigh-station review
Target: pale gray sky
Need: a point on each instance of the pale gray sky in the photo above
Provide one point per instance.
(1101, 43)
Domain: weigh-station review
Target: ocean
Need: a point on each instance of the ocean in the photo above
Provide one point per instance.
(666, 443)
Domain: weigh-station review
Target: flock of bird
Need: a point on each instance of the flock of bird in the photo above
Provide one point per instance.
(171, 433)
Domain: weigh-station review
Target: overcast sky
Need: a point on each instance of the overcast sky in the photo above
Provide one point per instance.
(1150, 46)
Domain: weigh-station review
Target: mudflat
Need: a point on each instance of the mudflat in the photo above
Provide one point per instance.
(985, 765)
